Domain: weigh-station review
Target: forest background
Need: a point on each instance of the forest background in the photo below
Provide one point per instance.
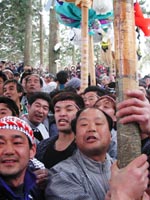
(31, 34)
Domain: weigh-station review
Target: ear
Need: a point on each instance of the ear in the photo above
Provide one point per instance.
(33, 151)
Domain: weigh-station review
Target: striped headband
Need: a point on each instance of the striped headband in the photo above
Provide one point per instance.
(14, 123)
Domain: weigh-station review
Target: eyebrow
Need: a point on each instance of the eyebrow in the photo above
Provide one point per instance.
(3, 109)
(13, 136)
(38, 103)
(84, 118)
(67, 106)
(92, 95)
(10, 86)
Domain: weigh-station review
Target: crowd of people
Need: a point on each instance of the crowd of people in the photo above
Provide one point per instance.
(58, 142)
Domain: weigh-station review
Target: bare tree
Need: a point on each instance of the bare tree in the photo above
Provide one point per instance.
(28, 34)
(53, 40)
(41, 35)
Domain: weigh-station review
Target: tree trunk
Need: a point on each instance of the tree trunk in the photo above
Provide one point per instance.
(28, 34)
(73, 55)
(129, 142)
(53, 40)
(41, 35)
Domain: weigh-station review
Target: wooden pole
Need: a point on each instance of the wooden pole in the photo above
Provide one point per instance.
(129, 142)
(91, 61)
(84, 45)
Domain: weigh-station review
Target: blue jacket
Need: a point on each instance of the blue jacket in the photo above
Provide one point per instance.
(30, 189)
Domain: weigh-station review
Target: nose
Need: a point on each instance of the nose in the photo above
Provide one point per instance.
(40, 109)
(62, 112)
(91, 127)
(9, 149)
(32, 83)
(87, 103)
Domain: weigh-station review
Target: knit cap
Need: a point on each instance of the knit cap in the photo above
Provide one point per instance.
(15, 123)
(74, 83)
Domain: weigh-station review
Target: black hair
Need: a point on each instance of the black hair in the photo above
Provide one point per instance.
(54, 93)
(30, 144)
(74, 121)
(16, 74)
(32, 74)
(10, 104)
(70, 89)
(19, 87)
(3, 76)
(142, 83)
(62, 76)
(63, 95)
(24, 75)
(39, 95)
(94, 88)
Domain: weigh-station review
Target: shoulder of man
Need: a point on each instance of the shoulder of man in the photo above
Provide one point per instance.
(43, 145)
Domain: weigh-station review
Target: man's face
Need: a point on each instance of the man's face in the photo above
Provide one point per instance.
(4, 110)
(10, 91)
(108, 106)
(92, 134)
(38, 111)
(33, 84)
(65, 111)
(1, 86)
(14, 154)
(90, 98)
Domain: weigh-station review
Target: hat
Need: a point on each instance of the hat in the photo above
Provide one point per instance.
(14, 123)
(74, 83)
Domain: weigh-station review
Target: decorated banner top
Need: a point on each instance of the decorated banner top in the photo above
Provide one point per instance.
(100, 15)
(70, 15)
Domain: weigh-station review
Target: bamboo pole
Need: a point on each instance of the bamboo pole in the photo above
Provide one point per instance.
(91, 61)
(129, 142)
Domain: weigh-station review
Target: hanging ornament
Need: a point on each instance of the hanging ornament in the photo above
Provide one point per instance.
(140, 21)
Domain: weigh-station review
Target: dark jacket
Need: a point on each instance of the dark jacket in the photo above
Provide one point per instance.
(29, 189)
(47, 154)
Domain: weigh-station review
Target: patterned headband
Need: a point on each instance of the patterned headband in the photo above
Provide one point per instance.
(14, 123)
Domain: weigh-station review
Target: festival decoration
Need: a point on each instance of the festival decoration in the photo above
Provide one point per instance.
(140, 21)
(71, 13)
